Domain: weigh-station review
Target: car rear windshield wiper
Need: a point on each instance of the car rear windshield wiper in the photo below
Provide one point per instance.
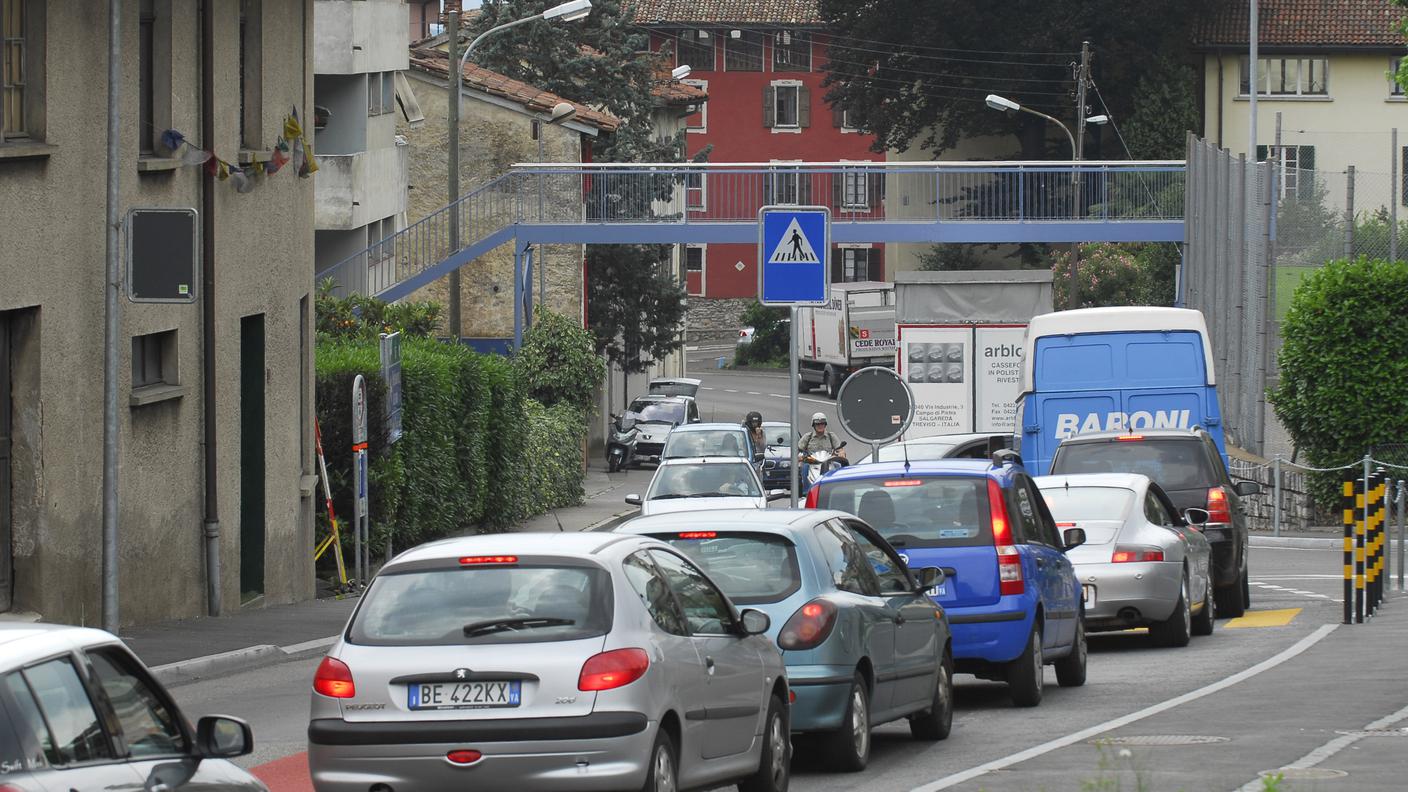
(497, 625)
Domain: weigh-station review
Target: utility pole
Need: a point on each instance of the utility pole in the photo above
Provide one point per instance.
(112, 321)
(454, 75)
(1082, 80)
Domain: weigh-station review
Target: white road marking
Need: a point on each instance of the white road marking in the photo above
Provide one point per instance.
(1329, 749)
(730, 390)
(1100, 728)
(778, 395)
(754, 393)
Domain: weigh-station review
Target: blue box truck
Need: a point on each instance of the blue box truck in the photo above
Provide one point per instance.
(1114, 369)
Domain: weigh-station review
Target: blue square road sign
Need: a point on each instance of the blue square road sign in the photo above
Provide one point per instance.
(793, 245)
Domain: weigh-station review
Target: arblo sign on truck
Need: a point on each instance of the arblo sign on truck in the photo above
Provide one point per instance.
(1115, 369)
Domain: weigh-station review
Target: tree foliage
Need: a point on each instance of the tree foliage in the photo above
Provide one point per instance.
(1117, 274)
(1167, 109)
(907, 70)
(557, 363)
(361, 317)
(771, 333)
(1344, 377)
(634, 305)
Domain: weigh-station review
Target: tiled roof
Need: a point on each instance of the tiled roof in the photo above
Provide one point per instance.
(1317, 23)
(767, 12)
(671, 91)
(495, 84)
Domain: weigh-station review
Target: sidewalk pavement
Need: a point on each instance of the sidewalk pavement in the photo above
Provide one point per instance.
(187, 650)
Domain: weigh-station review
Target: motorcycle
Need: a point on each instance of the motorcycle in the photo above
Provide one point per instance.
(819, 463)
(621, 445)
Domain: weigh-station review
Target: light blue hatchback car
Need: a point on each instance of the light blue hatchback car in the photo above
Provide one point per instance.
(862, 642)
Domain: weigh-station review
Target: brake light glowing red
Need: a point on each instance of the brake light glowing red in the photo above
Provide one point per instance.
(1134, 555)
(613, 669)
(1129, 438)
(464, 757)
(334, 679)
(1219, 510)
(492, 559)
(812, 496)
(809, 627)
(905, 483)
(699, 535)
(1009, 560)
(1065, 525)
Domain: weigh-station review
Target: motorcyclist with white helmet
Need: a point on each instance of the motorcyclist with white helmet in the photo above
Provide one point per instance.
(818, 439)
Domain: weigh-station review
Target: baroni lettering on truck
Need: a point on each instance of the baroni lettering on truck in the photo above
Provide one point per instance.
(1068, 424)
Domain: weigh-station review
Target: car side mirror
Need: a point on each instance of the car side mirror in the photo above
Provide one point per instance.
(1247, 488)
(633, 499)
(1196, 517)
(754, 622)
(1073, 537)
(759, 456)
(223, 737)
(928, 577)
(778, 494)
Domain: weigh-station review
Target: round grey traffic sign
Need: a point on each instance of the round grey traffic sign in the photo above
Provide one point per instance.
(875, 405)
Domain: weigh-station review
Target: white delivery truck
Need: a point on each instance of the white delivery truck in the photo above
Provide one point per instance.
(857, 329)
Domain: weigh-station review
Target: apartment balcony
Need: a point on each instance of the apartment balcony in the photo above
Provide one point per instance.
(353, 190)
(360, 36)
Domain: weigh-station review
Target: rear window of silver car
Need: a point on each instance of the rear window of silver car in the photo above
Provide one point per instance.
(1088, 503)
(705, 443)
(705, 480)
(751, 568)
(493, 604)
(916, 511)
(1175, 463)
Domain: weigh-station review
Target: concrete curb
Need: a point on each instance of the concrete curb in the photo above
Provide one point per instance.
(225, 663)
(601, 525)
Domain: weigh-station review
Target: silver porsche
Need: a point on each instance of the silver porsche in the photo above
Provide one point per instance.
(1143, 564)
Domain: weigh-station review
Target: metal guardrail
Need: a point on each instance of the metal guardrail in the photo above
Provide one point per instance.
(573, 194)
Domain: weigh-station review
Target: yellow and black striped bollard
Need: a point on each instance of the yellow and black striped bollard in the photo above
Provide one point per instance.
(1347, 514)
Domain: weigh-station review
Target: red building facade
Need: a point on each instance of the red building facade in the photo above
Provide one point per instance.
(766, 105)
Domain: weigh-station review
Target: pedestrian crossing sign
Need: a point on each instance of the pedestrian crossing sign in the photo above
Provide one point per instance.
(793, 242)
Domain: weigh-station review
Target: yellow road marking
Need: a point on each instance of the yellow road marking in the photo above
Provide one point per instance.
(1265, 618)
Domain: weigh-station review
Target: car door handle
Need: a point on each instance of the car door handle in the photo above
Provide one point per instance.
(899, 618)
(709, 665)
(1041, 563)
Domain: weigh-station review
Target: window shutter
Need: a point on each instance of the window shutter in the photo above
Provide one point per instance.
(838, 184)
(1305, 181)
(838, 272)
(1262, 152)
(804, 187)
(838, 116)
(804, 107)
(877, 270)
(769, 106)
(876, 183)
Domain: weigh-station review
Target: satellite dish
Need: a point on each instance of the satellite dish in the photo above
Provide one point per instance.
(874, 405)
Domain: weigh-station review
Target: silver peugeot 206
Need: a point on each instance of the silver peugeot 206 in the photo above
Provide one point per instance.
(543, 662)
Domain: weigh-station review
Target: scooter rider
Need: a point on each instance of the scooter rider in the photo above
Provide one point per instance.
(754, 424)
(818, 439)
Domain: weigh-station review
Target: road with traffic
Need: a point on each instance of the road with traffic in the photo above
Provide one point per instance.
(1282, 686)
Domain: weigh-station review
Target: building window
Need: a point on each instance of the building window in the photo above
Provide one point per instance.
(743, 51)
(695, 49)
(154, 360)
(843, 120)
(695, 191)
(786, 186)
(12, 68)
(381, 93)
(1288, 77)
(146, 56)
(251, 73)
(1295, 170)
(855, 189)
(698, 119)
(379, 233)
(853, 264)
(791, 52)
(787, 105)
(1394, 88)
(694, 269)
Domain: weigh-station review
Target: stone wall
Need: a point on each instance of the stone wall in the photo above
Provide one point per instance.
(715, 320)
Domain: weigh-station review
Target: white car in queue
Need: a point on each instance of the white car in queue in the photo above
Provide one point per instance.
(1143, 564)
(704, 483)
(549, 663)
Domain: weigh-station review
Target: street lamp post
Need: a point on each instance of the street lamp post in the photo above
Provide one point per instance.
(571, 11)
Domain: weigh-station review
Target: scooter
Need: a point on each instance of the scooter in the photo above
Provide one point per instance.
(819, 463)
(621, 445)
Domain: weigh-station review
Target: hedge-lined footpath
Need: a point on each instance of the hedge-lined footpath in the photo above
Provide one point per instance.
(477, 453)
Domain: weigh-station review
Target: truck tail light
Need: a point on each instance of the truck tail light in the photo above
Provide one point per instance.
(809, 627)
(1009, 560)
(1219, 510)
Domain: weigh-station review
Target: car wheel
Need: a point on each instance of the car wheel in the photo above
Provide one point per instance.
(663, 773)
(1232, 600)
(848, 748)
(1206, 620)
(1027, 674)
(936, 722)
(1070, 670)
(833, 382)
(775, 761)
(1177, 629)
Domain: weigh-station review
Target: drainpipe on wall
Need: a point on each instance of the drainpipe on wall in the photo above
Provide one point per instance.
(1219, 98)
(207, 294)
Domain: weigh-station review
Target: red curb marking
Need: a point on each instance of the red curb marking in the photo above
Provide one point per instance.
(289, 774)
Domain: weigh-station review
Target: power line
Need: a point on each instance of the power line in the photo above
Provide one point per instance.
(891, 44)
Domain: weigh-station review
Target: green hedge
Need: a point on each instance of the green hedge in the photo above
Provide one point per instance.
(476, 454)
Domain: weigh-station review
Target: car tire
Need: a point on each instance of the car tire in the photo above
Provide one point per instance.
(848, 748)
(936, 722)
(1070, 670)
(662, 774)
(1177, 629)
(1233, 599)
(1206, 620)
(1026, 675)
(774, 773)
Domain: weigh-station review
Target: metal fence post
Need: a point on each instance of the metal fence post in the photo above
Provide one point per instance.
(1276, 497)
(1349, 215)
(1394, 187)
(1402, 492)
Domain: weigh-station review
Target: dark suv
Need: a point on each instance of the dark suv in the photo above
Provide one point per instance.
(1186, 464)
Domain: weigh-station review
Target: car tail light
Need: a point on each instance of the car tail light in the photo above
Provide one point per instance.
(809, 627)
(1065, 525)
(1009, 561)
(1129, 438)
(613, 669)
(813, 496)
(1131, 554)
(463, 757)
(699, 535)
(334, 679)
(488, 559)
(1219, 511)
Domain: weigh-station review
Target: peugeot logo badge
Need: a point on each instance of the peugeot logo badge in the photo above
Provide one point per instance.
(460, 673)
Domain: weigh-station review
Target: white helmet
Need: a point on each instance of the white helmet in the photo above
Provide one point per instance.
(818, 417)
